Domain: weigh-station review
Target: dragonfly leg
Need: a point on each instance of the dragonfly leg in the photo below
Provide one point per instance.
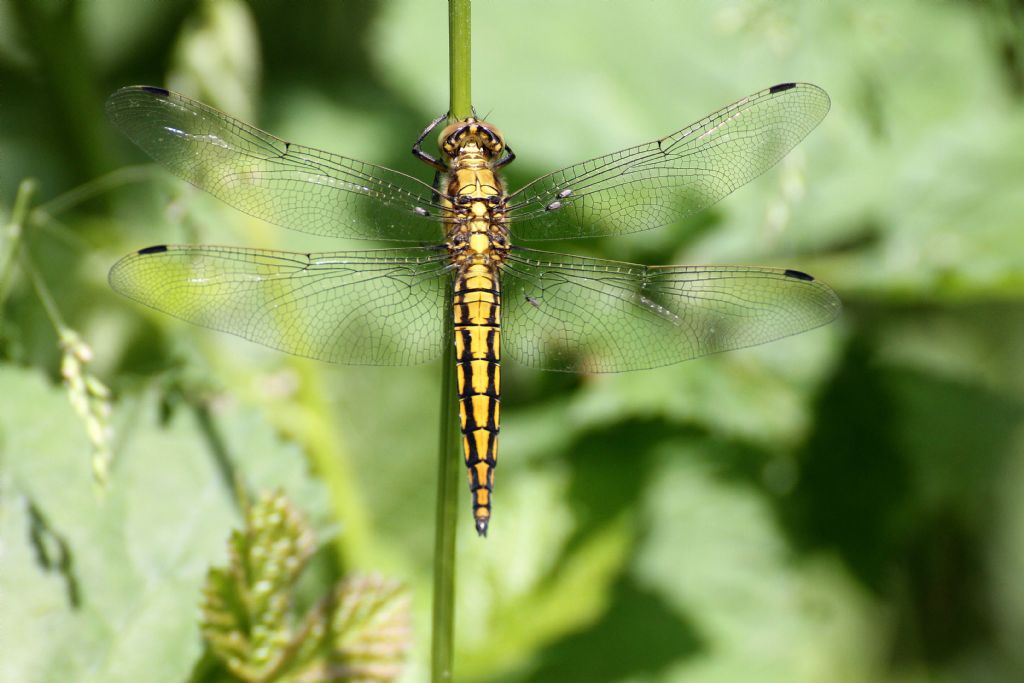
(418, 152)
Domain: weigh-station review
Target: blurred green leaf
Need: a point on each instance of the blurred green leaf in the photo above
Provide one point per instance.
(134, 556)
(122, 569)
(519, 602)
(715, 556)
(217, 57)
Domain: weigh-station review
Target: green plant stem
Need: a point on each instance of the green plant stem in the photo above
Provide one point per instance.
(12, 234)
(235, 485)
(459, 58)
(446, 515)
(29, 268)
(45, 298)
(98, 186)
(448, 464)
(53, 34)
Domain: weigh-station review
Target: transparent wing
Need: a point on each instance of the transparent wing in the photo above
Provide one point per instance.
(662, 181)
(380, 307)
(569, 313)
(290, 185)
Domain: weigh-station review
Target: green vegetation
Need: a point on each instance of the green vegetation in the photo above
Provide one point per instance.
(449, 448)
(840, 506)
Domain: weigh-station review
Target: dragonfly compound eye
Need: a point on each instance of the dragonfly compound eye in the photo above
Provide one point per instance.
(449, 139)
(491, 138)
(469, 131)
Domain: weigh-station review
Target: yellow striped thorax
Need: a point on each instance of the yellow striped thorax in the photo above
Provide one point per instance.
(475, 195)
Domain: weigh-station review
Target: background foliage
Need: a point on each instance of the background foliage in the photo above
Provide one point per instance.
(840, 506)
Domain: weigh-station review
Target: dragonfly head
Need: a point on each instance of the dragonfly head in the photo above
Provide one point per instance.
(461, 134)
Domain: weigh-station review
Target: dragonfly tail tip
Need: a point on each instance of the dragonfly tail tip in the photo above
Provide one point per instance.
(481, 527)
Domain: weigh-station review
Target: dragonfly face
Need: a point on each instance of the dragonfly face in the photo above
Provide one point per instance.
(542, 309)
(461, 134)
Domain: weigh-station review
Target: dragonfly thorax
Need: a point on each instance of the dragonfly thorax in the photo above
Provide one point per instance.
(475, 202)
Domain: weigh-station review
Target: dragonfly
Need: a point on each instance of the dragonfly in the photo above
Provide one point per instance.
(461, 264)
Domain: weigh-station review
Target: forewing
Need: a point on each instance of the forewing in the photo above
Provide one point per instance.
(662, 181)
(290, 185)
(578, 314)
(380, 307)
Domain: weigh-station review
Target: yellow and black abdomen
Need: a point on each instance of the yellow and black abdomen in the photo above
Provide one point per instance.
(477, 309)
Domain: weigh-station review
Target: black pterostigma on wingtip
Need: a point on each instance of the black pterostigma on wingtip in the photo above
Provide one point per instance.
(156, 249)
(781, 87)
(154, 90)
(799, 275)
